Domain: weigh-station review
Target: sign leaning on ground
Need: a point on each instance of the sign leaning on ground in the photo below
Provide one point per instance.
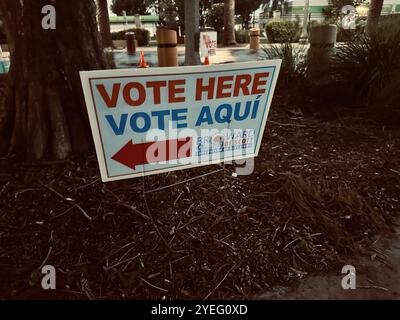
(149, 121)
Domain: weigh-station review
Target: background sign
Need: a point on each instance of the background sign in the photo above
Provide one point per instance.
(149, 121)
(208, 43)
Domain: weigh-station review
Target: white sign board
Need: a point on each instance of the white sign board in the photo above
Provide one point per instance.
(208, 44)
(149, 121)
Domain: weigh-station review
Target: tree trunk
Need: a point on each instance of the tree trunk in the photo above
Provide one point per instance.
(43, 112)
(229, 22)
(373, 15)
(104, 23)
(192, 19)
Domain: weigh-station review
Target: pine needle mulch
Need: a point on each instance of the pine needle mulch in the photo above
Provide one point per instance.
(321, 191)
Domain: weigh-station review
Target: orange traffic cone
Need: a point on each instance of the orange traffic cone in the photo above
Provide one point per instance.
(206, 61)
(142, 62)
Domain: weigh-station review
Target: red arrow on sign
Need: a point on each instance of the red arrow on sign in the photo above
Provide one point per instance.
(132, 154)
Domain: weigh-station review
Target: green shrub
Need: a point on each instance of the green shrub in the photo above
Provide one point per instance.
(344, 35)
(142, 36)
(365, 71)
(370, 67)
(294, 61)
(242, 36)
(283, 31)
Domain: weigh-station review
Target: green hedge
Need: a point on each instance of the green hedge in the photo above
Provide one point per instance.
(142, 36)
(283, 31)
(242, 36)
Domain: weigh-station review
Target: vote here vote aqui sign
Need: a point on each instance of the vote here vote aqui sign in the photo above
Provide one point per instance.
(149, 121)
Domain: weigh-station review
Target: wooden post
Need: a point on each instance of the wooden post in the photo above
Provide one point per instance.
(167, 50)
(130, 43)
(255, 39)
(322, 43)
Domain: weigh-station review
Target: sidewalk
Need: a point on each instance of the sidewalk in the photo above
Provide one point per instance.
(224, 55)
(123, 60)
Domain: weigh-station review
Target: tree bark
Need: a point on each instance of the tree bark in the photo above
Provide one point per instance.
(229, 22)
(43, 113)
(192, 20)
(104, 23)
(373, 15)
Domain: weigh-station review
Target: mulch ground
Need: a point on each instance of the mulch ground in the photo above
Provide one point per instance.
(320, 192)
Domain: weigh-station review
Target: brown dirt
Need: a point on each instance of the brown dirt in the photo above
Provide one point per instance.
(377, 277)
(321, 193)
